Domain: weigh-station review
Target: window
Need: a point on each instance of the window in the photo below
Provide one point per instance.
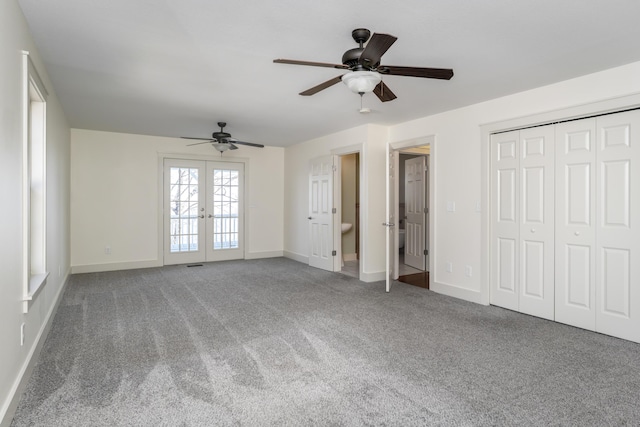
(34, 154)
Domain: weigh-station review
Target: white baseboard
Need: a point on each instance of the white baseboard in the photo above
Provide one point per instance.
(350, 257)
(456, 292)
(373, 277)
(266, 254)
(95, 268)
(296, 257)
(11, 404)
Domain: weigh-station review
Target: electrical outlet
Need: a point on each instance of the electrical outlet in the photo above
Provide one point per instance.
(468, 270)
(22, 334)
(449, 267)
(107, 250)
(478, 207)
(451, 206)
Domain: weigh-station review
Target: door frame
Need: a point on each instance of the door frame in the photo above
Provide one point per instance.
(611, 105)
(197, 157)
(397, 147)
(337, 203)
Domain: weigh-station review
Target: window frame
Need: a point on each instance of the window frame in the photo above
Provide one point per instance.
(34, 182)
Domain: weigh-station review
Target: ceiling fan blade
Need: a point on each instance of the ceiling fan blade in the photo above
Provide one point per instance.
(198, 143)
(428, 73)
(232, 147)
(201, 139)
(377, 46)
(321, 86)
(312, 64)
(383, 92)
(250, 144)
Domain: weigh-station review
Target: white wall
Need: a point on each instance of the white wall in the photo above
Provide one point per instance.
(14, 358)
(370, 140)
(457, 160)
(115, 200)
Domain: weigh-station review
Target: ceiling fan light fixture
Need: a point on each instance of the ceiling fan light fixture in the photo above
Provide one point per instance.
(362, 81)
(221, 147)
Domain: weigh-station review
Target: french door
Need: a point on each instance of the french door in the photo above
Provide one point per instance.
(203, 211)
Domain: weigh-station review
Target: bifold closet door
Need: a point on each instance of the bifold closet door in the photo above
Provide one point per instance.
(523, 221)
(597, 224)
(505, 216)
(575, 223)
(617, 226)
(537, 221)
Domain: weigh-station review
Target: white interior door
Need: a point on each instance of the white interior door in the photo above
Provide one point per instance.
(204, 213)
(321, 227)
(617, 225)
(505, 217)
(536, 281)
(415, 235)
(575, 223)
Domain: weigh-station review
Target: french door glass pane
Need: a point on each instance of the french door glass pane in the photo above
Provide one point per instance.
(225, 209)
(183, 203)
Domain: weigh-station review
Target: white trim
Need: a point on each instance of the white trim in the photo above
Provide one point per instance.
(456, 292)
(9, 406)
(358, 149)
(608, 105)
(372, 277)
(32, 284)
(114, 266)
(304, 259)
(429, 140)
(265, 254)
(337, 217)
(412, 143)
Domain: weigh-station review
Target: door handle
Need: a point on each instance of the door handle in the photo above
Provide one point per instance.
(388, 224)
(201, 216)
(309, 217)
(209, 216)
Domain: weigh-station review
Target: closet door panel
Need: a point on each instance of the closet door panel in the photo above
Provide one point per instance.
(505, 201)
(537, 221)
(575, 230)
(618, 230)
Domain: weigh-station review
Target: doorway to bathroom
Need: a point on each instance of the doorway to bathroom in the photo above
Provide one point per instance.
(350, 213)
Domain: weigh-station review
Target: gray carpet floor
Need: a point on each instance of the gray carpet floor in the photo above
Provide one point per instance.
(276, 343)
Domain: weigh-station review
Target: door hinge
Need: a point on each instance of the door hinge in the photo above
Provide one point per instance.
(334, 210)
(426, 210)
(334, 168)
(426, 252)
(334, 253)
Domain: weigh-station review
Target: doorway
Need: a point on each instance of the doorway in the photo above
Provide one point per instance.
(350, 214)
(413, 206)
(397, 269)
(204, 211)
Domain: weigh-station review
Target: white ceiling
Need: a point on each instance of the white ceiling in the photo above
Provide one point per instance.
(176, 67)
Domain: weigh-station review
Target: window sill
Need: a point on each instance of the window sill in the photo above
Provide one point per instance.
(36, 283)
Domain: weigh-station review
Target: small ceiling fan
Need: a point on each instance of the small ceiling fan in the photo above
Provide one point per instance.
(365, 72)
(222, 141)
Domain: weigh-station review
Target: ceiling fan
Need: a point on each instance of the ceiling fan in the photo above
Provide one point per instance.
(222, 141)
(365, 72)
